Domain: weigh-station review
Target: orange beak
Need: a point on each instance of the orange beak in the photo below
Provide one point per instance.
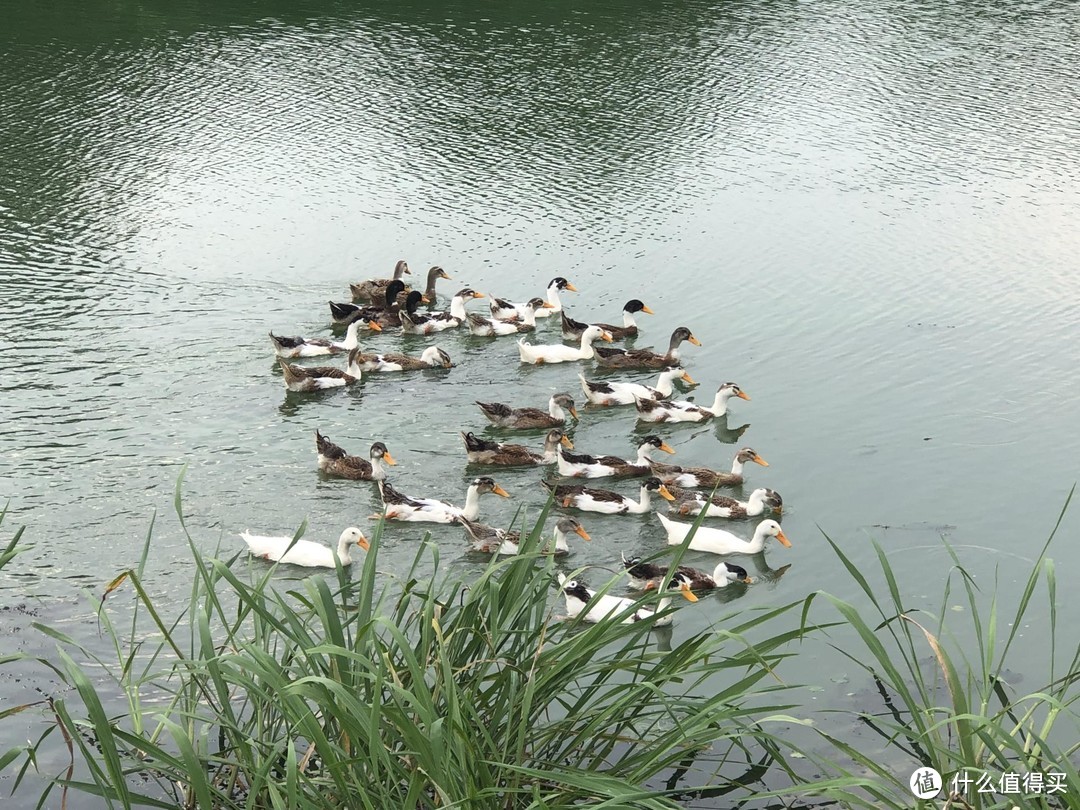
(565, 442)
(546, 305)
(650, 585)
(571, 287)
(783, 540)
(477, 295)
(684, 589)
(667, 448)
(606, 337)
(374, 326)
(567, 501)
(749, 580)
(425, 299)
(694, 340)
(573, 413)
(760, 460)
(686, 378)
(647, 311)
(389, 459)
(742, 395)
(363, 543)
(502, 493)
(665, 494)
(584, 534)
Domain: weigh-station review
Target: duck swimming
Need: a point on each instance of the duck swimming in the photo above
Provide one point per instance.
(579, 465)
(317, 378)
(614, 393)
(413, 323)
(481, 451)
(333, 460)
(652, 410)
(578, 596)
(689, 502)
(605, 501)
(643, 358)
(490, 540)
(503, 310)
(347, 313)
(527, 418)
(719, 541)
(430, 510)
(558, 353)
(490, 327)
(305, 552)
(296, 346)
(431, 357)
(703, 476)
(572, 329)
(375, 288)
(648, 576)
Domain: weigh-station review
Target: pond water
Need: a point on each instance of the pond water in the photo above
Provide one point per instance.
(865, 212)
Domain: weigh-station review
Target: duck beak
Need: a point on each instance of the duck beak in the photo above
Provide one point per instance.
(684, 589)
(502, 493)
(748, 580)
(363, 543)
(425, 299)
(667, 448)
(606, 337)
(477, 295)
(567, 501)
(374, 326)
(546, 305)
(665, 494)
(760, 460)
(573, 412)
(448, 278)
(686, 378)
(778, 509)
(571, 287)
(742, 395)
(783, 540)
(694, 340)
(565, 442)
(647, 311)
(650, 586)
(584, 534)
(389, 459)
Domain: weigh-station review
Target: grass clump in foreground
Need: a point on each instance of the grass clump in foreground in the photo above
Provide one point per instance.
(354, 691)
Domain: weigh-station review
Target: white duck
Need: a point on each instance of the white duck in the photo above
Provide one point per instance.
(305, 552)
(577, 598)
(431, 357)
(718, 541)
(580, 465)
(430, 510)
(647, 576)
(558, 353)
(614, 393)
(413, 323)
(504, 310)
(297, 346)
(651, 410)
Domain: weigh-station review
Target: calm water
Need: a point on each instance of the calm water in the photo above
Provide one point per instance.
(866, 213)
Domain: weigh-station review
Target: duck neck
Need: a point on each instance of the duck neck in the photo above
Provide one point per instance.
(555, 410)
(529, 317)
(719, 403)
(352, 339)
(472, 504)
(628, 319)
(644, 504)
(643, 453)
(399, 270)
(378, 471)
(551, 452)
(432, 277)
(755, 505)
(587, 350)
(757, 542)
(354, 369)
(344, 550)
(560, 541)
(736, 467)
(553, 297)
(665, 385)
(457, 308)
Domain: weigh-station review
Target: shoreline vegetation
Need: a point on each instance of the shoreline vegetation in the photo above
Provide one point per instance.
(362, 690)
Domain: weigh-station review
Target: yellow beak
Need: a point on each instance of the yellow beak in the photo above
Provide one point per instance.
(571, 287)
(783, 540)
(546, 305)
(584, 534)
(565, 441)
(686, 378)
(425, 299)
(694, 340)
(374, 326)
(573, 413)
(606, 337)
(742, 395)
(667, 448)
(477, 295)
(501, 492)
(760, 460)
(389, 459)
(684, 589)
(647, 311)
(363, 543)
(665, 494)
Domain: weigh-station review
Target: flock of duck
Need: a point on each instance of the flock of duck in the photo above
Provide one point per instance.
(382, 304)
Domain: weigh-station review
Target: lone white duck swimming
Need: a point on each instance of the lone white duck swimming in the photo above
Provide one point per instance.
(718, 541)
(615, 393)
(305, 552)
(558, 353)
(651, 410)
(577, 597)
